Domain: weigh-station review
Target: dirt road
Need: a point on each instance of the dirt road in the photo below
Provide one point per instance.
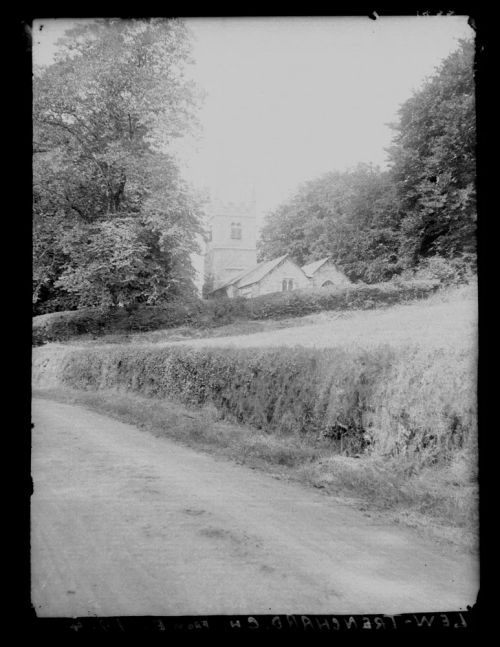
(124, 523)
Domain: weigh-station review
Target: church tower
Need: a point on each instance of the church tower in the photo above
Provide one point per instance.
(231, 246)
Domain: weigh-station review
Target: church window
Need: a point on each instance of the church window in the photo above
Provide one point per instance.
(236, 230)
(287, 285)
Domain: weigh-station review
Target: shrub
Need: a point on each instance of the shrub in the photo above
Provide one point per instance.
(385, 400)
(218, 312)
(448, 272)
(197, 313)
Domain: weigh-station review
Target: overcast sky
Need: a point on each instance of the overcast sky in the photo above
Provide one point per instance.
(290, 99)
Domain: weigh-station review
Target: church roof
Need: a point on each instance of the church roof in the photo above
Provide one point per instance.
(233, 279)
(260, 271)
(253, 275)
(311, 268)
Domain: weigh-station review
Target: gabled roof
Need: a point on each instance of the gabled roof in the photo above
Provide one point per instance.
(260, 271)
(253, 275)
(311, 268)
(232, 280)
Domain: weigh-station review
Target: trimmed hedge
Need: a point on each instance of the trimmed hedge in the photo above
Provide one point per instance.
(60, 326)
(395, 401)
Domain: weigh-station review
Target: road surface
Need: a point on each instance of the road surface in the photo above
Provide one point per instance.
(125, 523)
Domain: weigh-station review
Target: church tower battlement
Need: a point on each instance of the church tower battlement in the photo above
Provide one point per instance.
(231, 246)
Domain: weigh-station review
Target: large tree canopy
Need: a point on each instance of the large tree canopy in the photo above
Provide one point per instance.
(349, 216)
(375, 224)
(113, 220)
(433, 162)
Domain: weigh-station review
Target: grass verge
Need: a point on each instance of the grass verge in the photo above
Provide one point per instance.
(440, 502)
(447, 318)
(198, 313)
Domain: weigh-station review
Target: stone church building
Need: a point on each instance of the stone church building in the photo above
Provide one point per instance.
(231, 258)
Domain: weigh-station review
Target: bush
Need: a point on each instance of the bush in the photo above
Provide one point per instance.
(390, 401)
(357, 296)
(61, 326)
(448, 272)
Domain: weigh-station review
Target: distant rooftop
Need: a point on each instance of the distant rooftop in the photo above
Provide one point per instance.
(258, 272)
(253, 275)
(311, 268)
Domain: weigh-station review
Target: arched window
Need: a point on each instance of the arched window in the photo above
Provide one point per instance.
(287, 285)
(327, 284)
(290, 284)
(236, 230)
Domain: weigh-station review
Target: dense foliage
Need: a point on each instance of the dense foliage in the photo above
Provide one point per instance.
(350, 216)
(113, 220)
(395, 401)
(59, 326)
(375, 224)
(433, 163)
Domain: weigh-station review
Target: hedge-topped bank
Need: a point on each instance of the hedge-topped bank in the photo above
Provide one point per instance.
(393, 401)
(60, 326)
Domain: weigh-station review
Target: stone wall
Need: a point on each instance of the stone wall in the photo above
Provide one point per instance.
(272, 282)
(328, 272)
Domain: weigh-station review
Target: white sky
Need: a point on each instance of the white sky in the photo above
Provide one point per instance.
(289, 99)
(292, 98)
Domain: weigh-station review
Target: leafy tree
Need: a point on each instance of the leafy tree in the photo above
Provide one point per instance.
(113, 220)
(376, 224)
(433, 163)
(349, 216)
